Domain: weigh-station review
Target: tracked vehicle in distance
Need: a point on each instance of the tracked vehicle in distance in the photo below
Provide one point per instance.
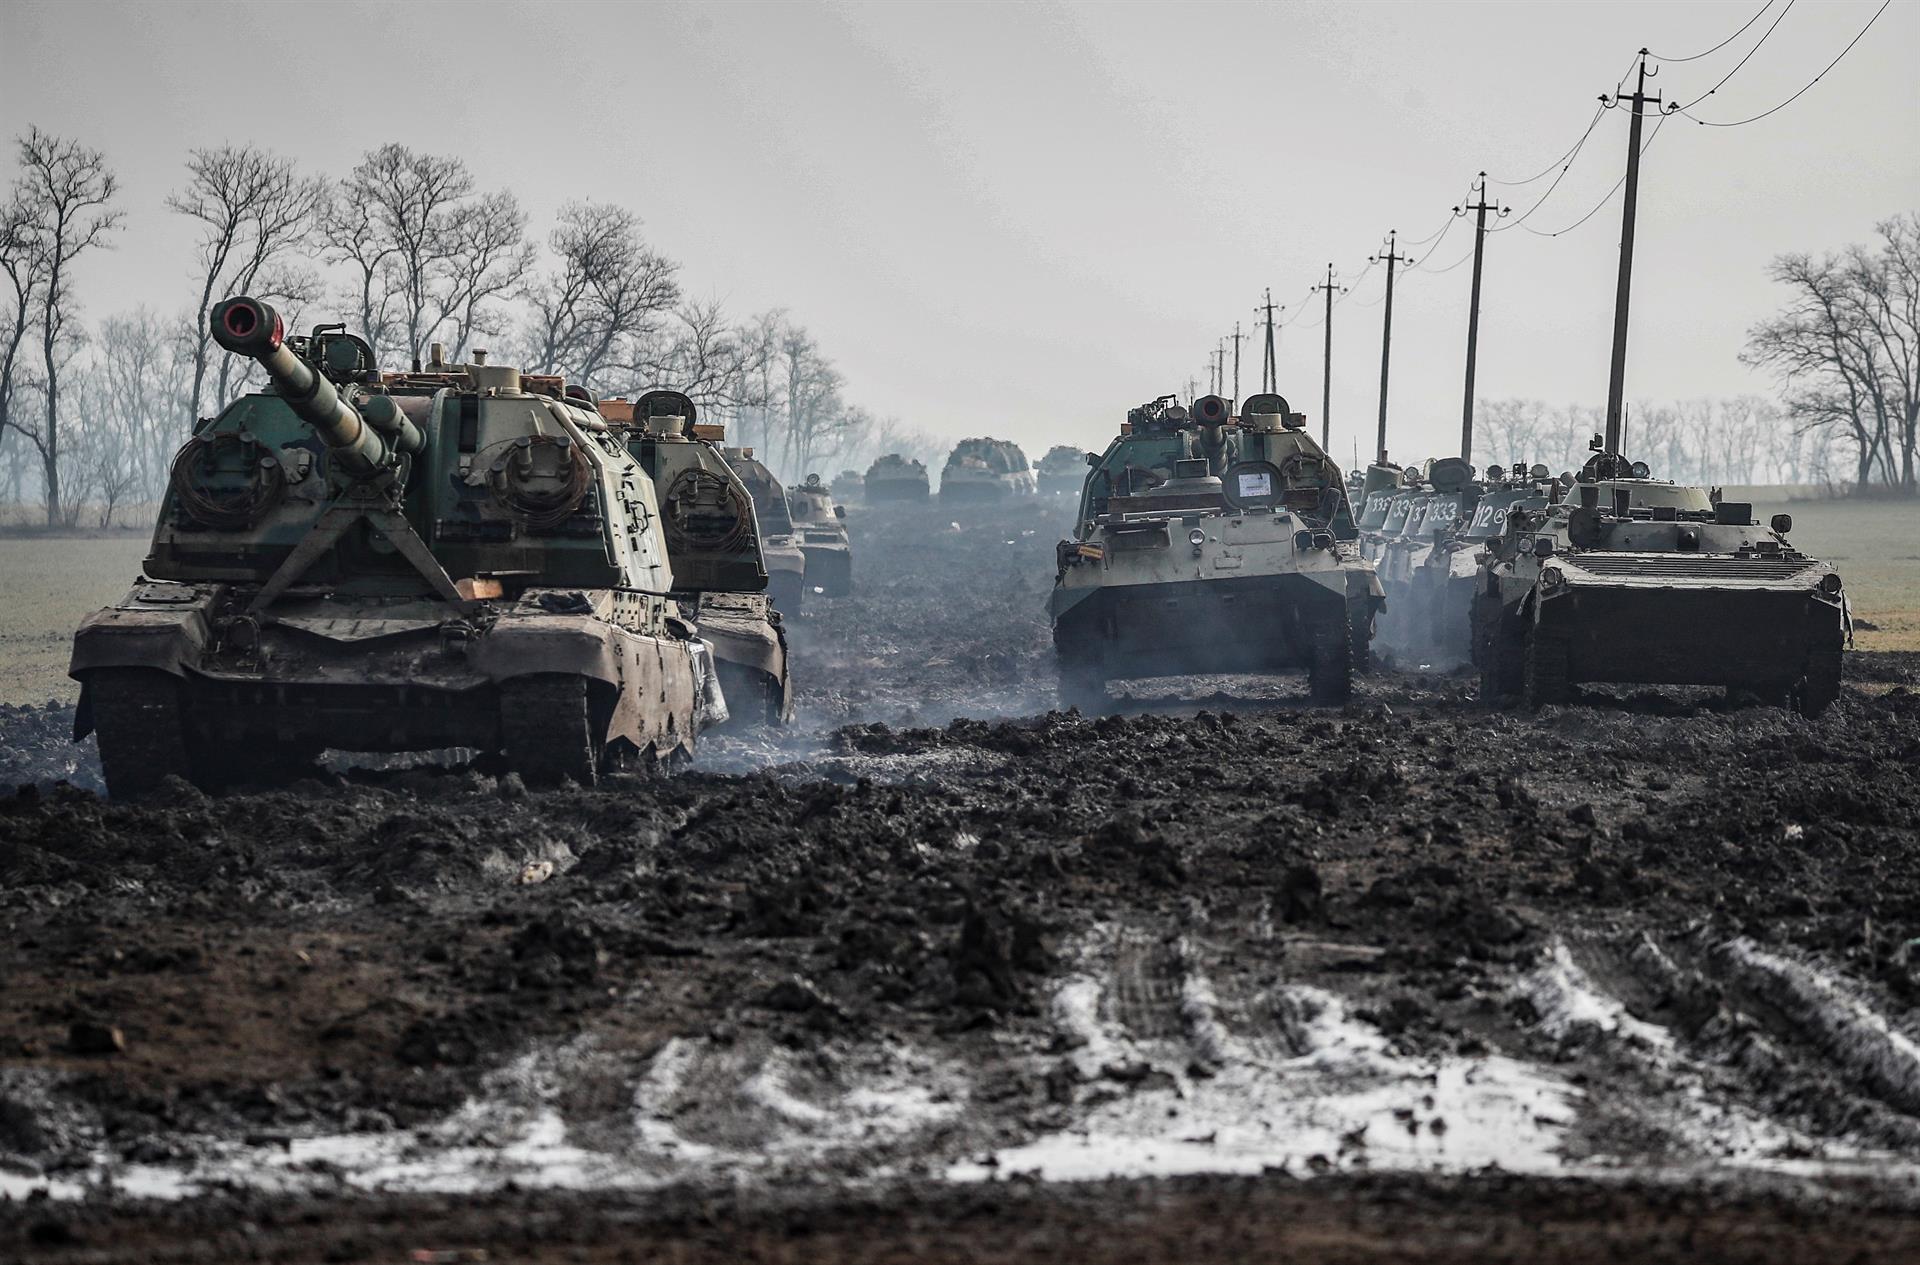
(1633, 580)
(1207, 544)
(713, 542)
(894, 478)
(461, 557)
(1062, 470)
(780, 550)
(986, 470)
(820, 526)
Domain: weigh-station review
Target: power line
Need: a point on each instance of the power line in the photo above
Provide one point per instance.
(1566, 157)
(1803, 91)
(1658, 124)
(1723, 43)
(1758, 45)
(1571, 158)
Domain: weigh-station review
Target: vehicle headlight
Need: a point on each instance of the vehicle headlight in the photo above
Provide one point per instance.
(1830, 584)
(1196, 537)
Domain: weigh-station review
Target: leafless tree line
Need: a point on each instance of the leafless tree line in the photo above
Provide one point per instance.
(1745, 439)
(412, 253)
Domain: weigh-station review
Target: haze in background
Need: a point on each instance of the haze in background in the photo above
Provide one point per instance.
(1019, 219)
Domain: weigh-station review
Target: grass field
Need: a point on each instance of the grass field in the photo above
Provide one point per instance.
(50, 582)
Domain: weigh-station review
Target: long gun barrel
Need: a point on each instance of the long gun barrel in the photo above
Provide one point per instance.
(247, 327)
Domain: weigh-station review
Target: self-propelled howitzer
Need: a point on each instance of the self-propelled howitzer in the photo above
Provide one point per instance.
(366, 561)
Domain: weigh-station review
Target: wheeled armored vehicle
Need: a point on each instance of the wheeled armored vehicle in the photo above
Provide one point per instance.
(464, 556)
(1207, 543)
(1633, 580)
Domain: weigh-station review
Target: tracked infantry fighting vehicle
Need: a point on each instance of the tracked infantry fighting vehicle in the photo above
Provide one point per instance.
(780, 548)
(1446, 581)
(1062, 470)
(1206, 544)
(464, 557)
(713, 542)
(822, 531)
(849, 488)
(1433, 517)
(1638, 581)
(896, 478)
(986, 470)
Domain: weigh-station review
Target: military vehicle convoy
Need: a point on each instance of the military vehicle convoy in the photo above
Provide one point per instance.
(1208, 543)
(1444, 584)
(1062, 471)
(1632, 580)
(820, 527)
(464, 556)
(986, 470)
(780, 550)
(1434, 511)
(713, 541)
(895, 478)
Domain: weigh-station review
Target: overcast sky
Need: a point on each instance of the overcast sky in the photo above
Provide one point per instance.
(1020, 219)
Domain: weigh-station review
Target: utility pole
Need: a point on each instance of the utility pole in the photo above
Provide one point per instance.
(1238, 338)
(1220, 368)
(1617, 379)
(1326, 366)
(1479, 209)
(1391, 258)
(1269, 368)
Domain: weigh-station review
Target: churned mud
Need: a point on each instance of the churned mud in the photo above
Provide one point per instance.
(940, 974)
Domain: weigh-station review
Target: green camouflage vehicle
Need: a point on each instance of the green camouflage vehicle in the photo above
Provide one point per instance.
(1633, 580)
(1062, 470)
(822, 531)
(780, 550)
(713, 542)
(986, 470)
(1207, 543)
(461, 557)
(895, 478)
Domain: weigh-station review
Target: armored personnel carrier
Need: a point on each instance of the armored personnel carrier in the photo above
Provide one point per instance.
(713, 542)
(896, 478)
(986, 470)
(780, 548)
(461, 557)
(1638, 581)
(822, 529)
(1062, 470)
(1206, 543)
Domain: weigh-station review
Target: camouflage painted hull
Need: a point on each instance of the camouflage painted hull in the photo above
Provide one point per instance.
(1248, 624)
(750, 654)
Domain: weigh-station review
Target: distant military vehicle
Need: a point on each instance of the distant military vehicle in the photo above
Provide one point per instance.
(849, 488)
(1207, 543)
(779, 539)
(464, 556)
(1433, 517)
(713, 542)
(819, 524)
(1062, 471)
(1639, 581)
(1445, 582)
(986, 470)
(895, 478)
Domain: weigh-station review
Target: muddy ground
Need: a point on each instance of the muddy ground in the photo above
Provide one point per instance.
(943, 975)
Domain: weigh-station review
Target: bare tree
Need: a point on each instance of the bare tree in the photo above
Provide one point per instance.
(257, 216)
(430, 255)
(1847, 349)
(66, 191)
(25, 266)
(608, 298)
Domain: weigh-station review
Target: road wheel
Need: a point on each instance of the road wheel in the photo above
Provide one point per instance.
(1545, 673)
(1330, 675)
(1820, 687)
(140, 730)
(547, 730)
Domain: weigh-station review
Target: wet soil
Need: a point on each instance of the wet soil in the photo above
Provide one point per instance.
(941, 974)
